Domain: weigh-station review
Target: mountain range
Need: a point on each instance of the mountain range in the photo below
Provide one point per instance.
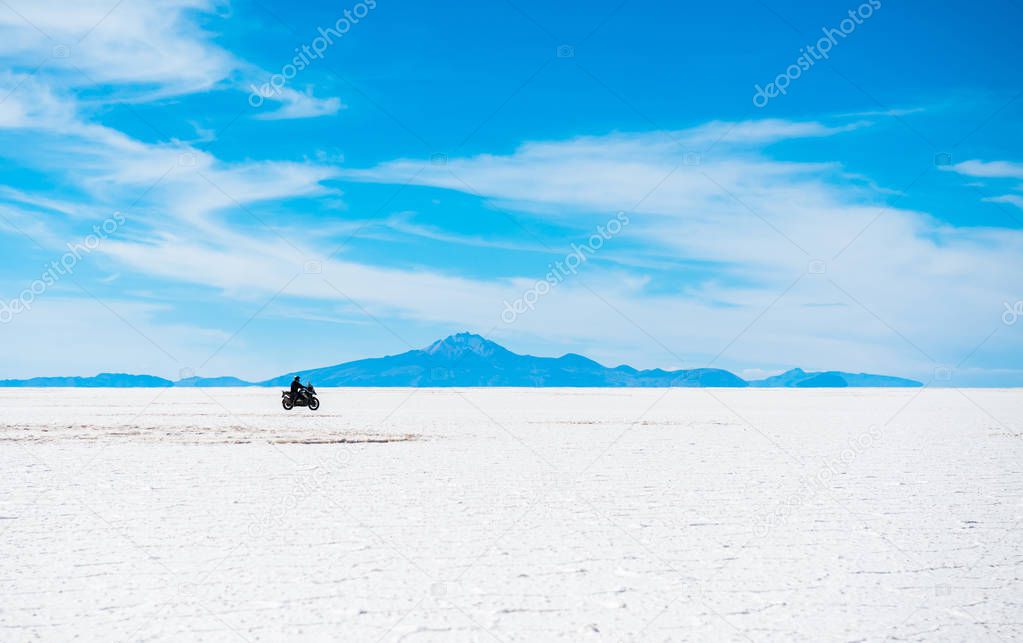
(466, 359)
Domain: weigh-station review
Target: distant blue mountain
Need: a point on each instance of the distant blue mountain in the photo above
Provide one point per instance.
(124, 380)
(470, 360)
(116, 380)
(823, 380)
(798, 378)
(212, 382)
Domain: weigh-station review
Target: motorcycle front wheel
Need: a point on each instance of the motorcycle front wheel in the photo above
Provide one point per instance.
(287, 403)
(314, 403)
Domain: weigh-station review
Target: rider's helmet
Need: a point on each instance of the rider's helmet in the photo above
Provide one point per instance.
(296, 378)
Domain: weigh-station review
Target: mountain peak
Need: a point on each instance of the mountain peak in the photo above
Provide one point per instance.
(460, 344)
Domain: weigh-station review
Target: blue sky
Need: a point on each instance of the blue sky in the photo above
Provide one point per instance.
(431, 166)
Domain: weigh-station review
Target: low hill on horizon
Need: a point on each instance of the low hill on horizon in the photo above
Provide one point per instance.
(798, 378)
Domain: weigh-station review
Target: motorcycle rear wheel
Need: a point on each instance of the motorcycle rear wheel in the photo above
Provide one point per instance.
(287, 403)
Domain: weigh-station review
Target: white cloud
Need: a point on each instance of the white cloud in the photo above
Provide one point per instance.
(299, 105)
(1013, 199)
(142, 49)
(761, 131)
(896, 112)
(994, 170)
(114, 169)
(153, 44)
(989, 169)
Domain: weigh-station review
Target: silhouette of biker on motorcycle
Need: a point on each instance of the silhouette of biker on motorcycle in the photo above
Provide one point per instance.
(300, 395)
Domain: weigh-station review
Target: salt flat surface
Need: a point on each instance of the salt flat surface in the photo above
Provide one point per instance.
(529, 515)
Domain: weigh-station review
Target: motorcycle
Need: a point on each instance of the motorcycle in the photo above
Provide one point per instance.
(306, 397)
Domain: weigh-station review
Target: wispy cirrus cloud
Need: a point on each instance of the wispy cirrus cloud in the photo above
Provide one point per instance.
(989, 169)
(999, 171)
(1012, 199)
(152, 46)
(138, 51)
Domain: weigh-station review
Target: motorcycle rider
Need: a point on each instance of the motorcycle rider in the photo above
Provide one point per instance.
(296, 389)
